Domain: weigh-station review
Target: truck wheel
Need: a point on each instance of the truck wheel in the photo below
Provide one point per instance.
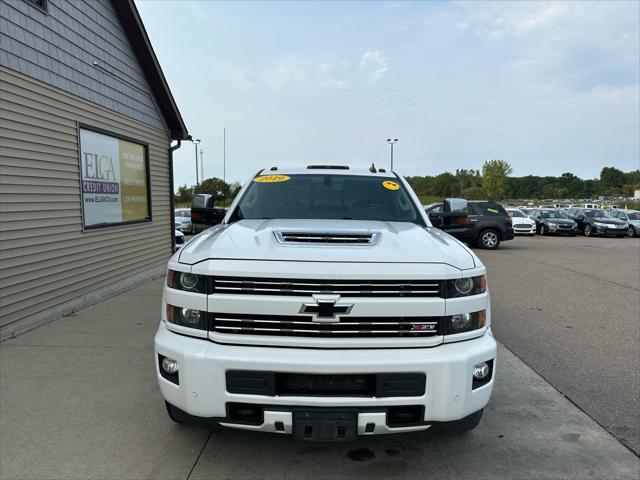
(171, 413)
(489, 239)
(588, 231)
(630, 232)
(464, 425)
(543, 230)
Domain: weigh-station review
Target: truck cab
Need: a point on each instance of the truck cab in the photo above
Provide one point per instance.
(326, 306)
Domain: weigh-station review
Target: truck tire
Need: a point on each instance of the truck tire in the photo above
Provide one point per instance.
(543, 230)
(630, 232)
(489, 239)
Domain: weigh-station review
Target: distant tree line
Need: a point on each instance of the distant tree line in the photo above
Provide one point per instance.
(495, 183)
(223, 192)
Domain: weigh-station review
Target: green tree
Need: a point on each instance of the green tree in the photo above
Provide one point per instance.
(214, 186)
(495, 174)
(183, 195)
(612, 178)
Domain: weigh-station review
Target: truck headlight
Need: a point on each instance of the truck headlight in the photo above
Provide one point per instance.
(188, 282)
(187, 317)
(465, 322)
(462, 287)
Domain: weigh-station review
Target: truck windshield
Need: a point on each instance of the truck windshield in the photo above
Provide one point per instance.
(333, 197)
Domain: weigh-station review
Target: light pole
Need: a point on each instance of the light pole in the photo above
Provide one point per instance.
(202, 164)
(392, 143)
(224, 154)
(195, 144)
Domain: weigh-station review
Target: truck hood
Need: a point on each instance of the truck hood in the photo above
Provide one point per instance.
(398, 242)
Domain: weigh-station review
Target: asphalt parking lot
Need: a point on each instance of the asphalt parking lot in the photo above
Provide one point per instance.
(570, 308)
(79, 398)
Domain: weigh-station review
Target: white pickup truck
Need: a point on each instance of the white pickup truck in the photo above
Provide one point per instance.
(326, 306)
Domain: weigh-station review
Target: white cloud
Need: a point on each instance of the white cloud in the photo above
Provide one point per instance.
(375, 63)
(326, 72)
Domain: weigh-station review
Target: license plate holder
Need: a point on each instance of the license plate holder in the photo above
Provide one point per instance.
(325, 425)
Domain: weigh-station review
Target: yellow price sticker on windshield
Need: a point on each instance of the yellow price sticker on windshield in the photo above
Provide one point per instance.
(389, 185)
(271, 178)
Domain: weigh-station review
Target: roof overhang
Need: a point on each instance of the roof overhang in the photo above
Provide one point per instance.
(141, 45)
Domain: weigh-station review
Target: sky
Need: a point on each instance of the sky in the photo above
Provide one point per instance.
(548, 86)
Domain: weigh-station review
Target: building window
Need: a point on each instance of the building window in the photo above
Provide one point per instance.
(114, 179)
(41, 4)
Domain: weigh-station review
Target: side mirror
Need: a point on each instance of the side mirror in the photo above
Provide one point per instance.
(203, 214)
(455, 205)
(436, 219)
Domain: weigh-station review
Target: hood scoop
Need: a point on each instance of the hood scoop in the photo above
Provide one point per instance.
(306, 237)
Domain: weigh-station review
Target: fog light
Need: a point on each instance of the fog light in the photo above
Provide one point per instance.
(190, 316)
(169, 365)
(480, 371)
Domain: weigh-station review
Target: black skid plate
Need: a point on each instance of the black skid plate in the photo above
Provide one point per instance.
(325, 424)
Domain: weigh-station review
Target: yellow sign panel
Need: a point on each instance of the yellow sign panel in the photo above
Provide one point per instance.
(390, 185)
(271, 178)
(133, 181)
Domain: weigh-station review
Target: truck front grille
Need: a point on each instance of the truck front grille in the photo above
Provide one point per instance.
(304, 326)
(347, 288)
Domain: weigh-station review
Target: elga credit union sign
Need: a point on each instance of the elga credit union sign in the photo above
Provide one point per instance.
(114, 180)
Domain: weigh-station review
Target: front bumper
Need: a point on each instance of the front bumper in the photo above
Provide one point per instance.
(563, 230)
(528, 230)
(203, 364)
(609, 231)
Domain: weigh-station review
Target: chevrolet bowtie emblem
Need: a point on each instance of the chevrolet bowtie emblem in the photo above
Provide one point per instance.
(326, 309)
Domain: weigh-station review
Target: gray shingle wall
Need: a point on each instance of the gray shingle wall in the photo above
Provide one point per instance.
(59, 47)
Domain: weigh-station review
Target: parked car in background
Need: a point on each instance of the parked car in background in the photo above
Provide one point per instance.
(183, 220)
(179, 239)
(527, 210)
(549, 220)
(597, 222)
(522, 224)
(632, 217)
(482, 223)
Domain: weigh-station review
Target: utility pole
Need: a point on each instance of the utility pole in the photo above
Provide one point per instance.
(202, 164)
(195, 144)
(224, 154)
(392, 143)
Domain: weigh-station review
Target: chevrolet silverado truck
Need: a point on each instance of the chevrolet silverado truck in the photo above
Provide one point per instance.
(326, 306)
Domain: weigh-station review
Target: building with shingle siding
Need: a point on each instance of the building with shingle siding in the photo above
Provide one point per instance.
(87, 121)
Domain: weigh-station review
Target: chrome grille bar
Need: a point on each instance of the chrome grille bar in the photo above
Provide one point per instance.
(356, 288)
(303, 325)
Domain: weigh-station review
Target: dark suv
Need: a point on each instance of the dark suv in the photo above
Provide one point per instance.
(476, 222)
